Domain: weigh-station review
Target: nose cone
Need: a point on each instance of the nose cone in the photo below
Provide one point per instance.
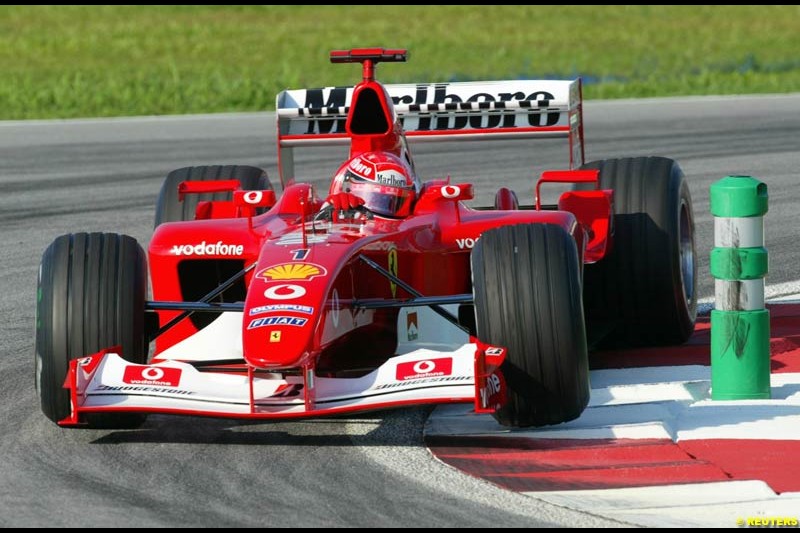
(283, 306)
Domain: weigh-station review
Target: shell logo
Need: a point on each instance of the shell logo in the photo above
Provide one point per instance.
(292, 271)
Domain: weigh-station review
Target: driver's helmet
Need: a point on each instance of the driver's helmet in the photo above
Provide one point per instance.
(385, 182)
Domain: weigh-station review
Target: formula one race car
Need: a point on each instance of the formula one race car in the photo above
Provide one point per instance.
(390, 291)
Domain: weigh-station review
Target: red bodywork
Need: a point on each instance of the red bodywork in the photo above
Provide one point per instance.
(301, 309)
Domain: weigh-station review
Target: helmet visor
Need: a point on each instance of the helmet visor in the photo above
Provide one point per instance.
(383, 200)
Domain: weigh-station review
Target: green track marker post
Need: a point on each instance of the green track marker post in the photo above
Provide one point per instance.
(740, 358)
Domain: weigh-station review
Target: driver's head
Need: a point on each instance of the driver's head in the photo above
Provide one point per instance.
(384, 181)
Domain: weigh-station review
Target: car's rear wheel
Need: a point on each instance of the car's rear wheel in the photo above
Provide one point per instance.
(91, 296)
(643, 292)
(170, 209)
(527, 289)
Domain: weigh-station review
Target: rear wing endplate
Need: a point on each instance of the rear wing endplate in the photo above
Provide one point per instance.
(518, 109)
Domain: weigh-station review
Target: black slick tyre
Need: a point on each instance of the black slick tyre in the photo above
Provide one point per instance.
(91, 295)
(170, 209)
(527, 290)
(643, 292)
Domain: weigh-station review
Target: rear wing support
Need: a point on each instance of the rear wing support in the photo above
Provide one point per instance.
(497, 110)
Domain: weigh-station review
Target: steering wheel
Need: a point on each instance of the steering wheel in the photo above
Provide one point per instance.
(328, 213)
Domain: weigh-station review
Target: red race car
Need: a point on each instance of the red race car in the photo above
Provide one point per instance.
(387, 291)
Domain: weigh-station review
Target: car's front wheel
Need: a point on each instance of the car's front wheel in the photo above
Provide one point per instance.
(91, 296)
(527, 290)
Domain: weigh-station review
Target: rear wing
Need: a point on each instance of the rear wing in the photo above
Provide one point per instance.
(485, 110)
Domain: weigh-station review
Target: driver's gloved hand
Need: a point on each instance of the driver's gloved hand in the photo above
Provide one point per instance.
(346, 205)
(344, 201)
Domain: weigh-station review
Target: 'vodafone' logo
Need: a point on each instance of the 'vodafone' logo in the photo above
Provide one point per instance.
(253, 197)
(451, 191)
(152, 375)
(423, 367)
(284, 291)
(427, 368)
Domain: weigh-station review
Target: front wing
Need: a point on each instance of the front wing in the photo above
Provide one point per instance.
(104, 382)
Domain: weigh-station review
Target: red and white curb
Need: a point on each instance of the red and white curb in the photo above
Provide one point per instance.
(652, 449)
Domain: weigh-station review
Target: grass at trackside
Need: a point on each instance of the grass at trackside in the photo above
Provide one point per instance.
(79, 61)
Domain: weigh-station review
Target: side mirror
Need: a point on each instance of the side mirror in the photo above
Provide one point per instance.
(454, 193)
(253, 199)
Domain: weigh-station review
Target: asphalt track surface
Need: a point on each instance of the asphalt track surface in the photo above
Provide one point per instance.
(369, 471)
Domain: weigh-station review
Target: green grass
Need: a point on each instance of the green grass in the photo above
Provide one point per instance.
(80, 61)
